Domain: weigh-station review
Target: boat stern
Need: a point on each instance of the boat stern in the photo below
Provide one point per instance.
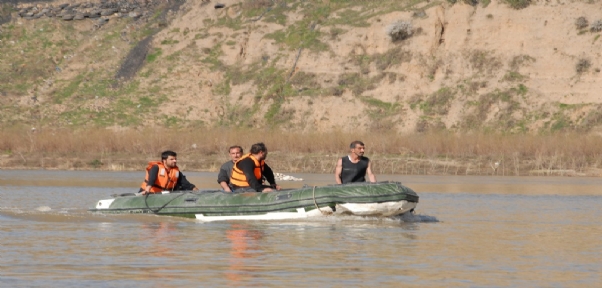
(384, 209)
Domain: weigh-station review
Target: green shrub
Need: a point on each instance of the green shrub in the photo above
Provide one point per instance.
(581, 22)
(513, 76)
(519, 4)
(469, 2)
(151, 57)
(596, 26)
(400, 30)
(583, 65)
(95, 163)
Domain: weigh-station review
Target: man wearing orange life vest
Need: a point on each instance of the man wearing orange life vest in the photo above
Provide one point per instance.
(164, 175)
(249, 170)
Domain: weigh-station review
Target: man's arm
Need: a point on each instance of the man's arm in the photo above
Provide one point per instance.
(269, 175)
(152, 178)
(339, 169)
(225, 186)
(248, 168)
(223, 179)
(183, 184)
(371, 175)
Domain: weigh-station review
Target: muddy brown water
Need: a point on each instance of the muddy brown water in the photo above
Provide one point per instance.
(467, 232)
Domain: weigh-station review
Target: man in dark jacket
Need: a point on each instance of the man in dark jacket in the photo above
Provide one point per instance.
(354, 167)
(225, 172)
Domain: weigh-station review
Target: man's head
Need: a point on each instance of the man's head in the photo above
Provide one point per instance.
(259, 150)
(169, 158)
(235, 152)
(357, 148)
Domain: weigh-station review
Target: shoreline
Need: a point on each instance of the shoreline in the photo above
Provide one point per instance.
(206, 149)
(304, 163)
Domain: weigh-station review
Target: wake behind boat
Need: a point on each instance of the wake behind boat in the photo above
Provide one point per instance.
(382, 199)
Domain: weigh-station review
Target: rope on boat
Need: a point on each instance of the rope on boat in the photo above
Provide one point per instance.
(160, 208)
(316, 203)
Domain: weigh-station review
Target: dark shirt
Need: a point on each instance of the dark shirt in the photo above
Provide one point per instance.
(354, 172)
(181, 185)
(225, 172)
(247, 166)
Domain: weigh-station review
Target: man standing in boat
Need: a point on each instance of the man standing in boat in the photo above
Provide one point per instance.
(164, 175)
(225, 172)
(354, 167)
(249, 170)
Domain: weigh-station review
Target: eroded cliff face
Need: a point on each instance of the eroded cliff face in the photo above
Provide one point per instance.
(333, 66)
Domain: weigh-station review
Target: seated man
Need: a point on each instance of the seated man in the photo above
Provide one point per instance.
(353, 167)
(249, 170)
(225, 172)
(164, 175)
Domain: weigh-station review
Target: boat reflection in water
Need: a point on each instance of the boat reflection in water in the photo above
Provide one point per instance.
(244, 245)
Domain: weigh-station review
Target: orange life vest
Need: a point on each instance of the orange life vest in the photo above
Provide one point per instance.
(166, 179)
(239, 178)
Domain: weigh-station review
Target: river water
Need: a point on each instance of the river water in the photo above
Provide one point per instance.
(467, 232)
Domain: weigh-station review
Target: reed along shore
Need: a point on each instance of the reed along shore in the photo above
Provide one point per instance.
(438, 153)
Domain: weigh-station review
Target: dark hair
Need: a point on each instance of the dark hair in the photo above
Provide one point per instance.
(258, 147)
(236, 146)
(354, 143)
(168, 153)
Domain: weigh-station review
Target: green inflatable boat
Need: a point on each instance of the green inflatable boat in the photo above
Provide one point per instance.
(382, 199)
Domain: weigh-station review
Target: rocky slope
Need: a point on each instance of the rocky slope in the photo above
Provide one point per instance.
(405, 66)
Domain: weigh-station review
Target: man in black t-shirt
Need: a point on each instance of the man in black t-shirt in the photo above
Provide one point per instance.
(354, 167)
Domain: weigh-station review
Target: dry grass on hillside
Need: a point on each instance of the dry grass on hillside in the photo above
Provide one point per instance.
(205, 150)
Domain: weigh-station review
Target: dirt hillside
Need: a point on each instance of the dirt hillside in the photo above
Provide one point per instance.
(404, 66)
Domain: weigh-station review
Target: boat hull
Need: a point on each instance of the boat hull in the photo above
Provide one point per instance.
(366, 199)
(387, 209)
